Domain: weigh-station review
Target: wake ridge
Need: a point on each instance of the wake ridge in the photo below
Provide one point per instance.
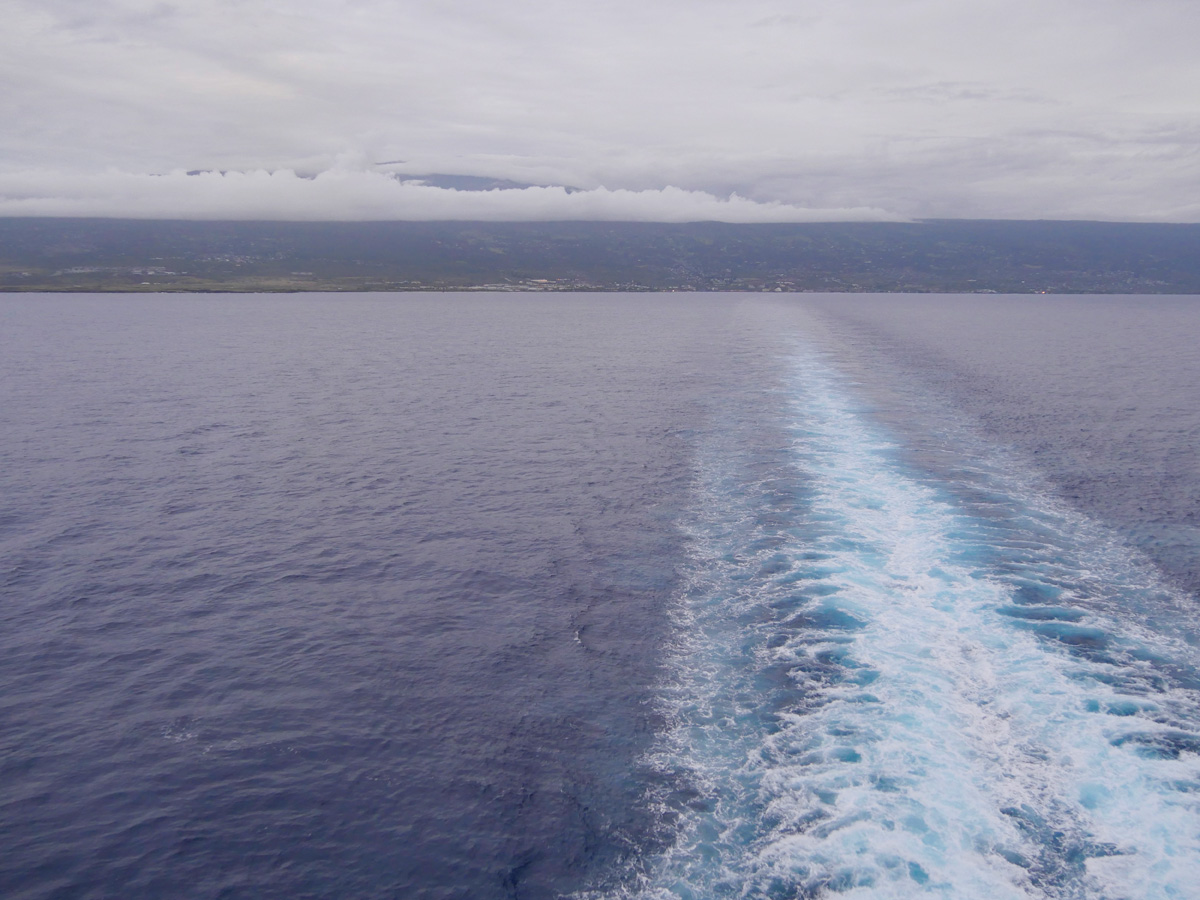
(878, 694)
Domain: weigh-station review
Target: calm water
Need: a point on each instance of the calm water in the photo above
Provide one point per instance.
(493, 596)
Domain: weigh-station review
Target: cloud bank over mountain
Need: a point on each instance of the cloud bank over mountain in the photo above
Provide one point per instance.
(338, 195)
(913, 108)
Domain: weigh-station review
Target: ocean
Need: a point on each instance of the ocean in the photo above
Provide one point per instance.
(599, 596)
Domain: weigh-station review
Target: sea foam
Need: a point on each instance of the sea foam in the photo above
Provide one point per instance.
(877, 692)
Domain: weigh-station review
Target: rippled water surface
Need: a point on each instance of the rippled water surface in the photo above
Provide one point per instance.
(687, 596)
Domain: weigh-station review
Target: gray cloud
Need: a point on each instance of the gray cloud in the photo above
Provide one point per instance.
(1058, 108)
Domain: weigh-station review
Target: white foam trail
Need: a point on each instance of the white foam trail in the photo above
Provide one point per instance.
(861, 705)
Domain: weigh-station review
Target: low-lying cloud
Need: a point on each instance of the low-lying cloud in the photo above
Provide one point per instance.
(817, 110)
(340, 195)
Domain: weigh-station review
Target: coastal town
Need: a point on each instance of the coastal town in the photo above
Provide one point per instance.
(99, 255)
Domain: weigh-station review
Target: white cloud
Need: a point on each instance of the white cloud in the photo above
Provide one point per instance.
(922, 107)
(350, 195)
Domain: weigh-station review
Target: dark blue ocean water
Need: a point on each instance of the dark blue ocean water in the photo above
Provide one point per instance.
(599, 596)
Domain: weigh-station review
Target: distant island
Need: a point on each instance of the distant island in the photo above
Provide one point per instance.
(982, 256)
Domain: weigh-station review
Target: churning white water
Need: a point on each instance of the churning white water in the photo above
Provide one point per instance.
(877, 692)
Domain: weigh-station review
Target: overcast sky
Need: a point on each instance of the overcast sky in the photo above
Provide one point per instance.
(756, 110)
